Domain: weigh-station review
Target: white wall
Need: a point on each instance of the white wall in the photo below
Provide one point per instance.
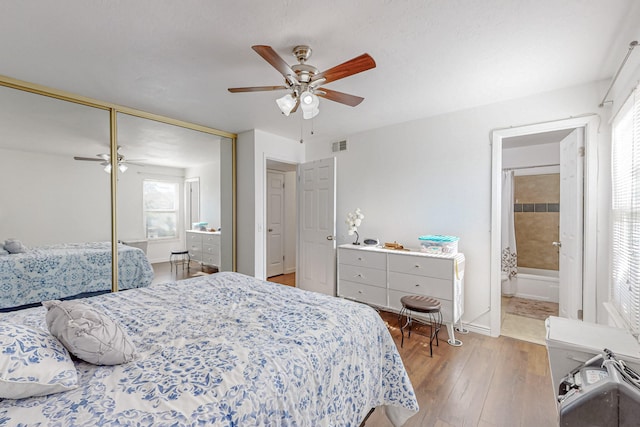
(53, 199)
(253, 149)
(130, 209)
(532, 155)
(433, 176)
(209, 175)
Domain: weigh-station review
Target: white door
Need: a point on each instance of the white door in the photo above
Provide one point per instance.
(571, 224)
(316, 269)
(275, 222)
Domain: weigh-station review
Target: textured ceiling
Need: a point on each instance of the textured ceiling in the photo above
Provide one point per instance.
(177, 58)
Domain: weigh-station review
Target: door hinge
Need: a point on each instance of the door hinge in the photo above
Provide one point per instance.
(581, 152)
(580, 314)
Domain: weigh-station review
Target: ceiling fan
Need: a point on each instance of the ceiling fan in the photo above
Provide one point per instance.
(305, 80)
(105, 160)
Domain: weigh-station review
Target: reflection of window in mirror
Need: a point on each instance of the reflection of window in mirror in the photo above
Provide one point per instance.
(160, 201)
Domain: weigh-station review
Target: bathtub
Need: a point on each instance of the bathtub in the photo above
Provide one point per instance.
(533, 283)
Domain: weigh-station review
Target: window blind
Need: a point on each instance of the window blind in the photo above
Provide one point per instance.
(625, 289)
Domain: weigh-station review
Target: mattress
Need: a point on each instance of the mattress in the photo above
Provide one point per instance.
(230, 350)
(65, 270)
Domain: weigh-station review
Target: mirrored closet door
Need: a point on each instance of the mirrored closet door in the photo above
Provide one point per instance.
(175, 193)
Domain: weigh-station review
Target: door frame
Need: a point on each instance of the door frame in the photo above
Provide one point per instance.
(268, 218)
(270, 163)
(590, 125)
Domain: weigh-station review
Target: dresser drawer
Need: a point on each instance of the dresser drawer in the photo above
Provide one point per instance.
(211, 249)
(363, 258)
(368, 294)
(208, 239)
(210, 260)
(420, 285)
(446, 306)
(365, 275)
(195, 255)
(194, 239)
(441, 268)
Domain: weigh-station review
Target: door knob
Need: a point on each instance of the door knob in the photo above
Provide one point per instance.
(329, 237)
(270, 230)
(557, 244)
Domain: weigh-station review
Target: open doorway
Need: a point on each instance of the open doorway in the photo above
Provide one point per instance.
(281, 222)
(577, 162)
(530, 232)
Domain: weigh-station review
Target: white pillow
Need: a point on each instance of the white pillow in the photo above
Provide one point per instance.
(14, 246)
(88, 333)
(33, 363)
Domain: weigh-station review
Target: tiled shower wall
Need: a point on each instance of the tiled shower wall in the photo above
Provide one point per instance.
(537, 220)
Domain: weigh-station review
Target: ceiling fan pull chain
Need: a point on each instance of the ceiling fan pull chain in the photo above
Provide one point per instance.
(301, 126)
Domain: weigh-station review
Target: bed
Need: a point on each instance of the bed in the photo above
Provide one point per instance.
(230, 350)
(65, 270)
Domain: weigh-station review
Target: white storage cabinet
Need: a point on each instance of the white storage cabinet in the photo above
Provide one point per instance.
(204, 247)
(381, 277)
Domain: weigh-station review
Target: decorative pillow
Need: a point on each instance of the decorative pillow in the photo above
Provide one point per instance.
(88, 333)
(14, 246)
(33, 363)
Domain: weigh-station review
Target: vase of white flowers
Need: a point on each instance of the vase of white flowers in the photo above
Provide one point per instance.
(354, 219)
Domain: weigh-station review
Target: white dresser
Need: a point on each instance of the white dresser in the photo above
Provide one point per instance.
(204, 247)
(381, 277)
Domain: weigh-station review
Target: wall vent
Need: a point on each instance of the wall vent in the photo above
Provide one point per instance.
(339, 146)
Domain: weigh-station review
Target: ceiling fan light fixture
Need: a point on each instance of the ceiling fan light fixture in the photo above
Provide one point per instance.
(107, 168)
(286, 104)
(123, 168)
(309, 104)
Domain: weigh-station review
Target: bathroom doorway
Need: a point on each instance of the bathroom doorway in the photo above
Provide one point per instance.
(535, 155)
(531, 233)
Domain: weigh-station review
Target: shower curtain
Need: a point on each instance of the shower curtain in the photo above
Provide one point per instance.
(509, 253)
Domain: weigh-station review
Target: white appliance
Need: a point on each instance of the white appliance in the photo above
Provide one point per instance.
(571, 343)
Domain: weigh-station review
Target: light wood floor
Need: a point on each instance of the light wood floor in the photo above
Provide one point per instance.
(284, 279)
(486, 382)
(163, 272)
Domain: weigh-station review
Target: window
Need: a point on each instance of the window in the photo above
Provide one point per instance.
(160, 200)
(625, 157)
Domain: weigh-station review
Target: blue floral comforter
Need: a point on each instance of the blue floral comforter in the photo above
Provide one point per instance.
(60, 271)
(231, 350)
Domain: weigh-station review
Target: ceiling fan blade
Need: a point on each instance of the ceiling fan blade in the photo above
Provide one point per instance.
(356, 65)
(88, 159)
(341, 97)
(255, 88)
(276, 61)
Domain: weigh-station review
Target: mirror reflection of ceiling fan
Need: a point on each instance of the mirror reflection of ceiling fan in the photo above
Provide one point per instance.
(304, 80)
(105, 160)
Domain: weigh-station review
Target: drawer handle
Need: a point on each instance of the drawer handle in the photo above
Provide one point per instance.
(417, 285)
(358, 275)
(359, 258)
(359, 292)
(417, 265)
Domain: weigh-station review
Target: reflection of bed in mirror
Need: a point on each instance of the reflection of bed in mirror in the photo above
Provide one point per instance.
(67, 270)
(225, 349)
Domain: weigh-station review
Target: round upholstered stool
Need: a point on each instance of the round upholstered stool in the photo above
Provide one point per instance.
(429, 307)
(179, 257)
